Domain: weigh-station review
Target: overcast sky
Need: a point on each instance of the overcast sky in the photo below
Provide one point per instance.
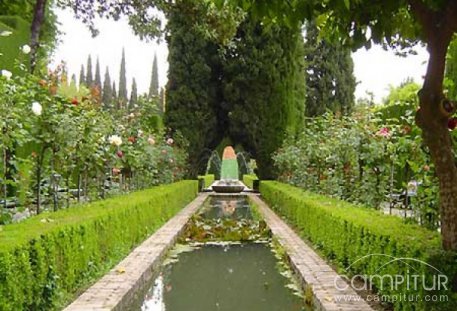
(374, 69)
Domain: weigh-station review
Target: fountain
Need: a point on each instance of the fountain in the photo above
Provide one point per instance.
(229, 182)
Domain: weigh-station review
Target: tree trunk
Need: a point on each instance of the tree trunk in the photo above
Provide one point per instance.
(37, 23)
(432, 118)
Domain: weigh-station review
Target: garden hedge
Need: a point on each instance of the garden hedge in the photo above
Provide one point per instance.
(208, 179)
(248, 180)
(10, 45)
(47, 259)
(344, 233)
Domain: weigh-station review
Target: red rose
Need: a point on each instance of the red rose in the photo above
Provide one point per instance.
(131, 139)
(119, 153)
(452, 123)
(75, 102)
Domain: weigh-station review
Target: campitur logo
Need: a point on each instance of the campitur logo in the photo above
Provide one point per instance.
(406, 285)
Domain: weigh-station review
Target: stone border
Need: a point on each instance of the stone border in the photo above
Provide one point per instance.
(313, 271)
(117, 288)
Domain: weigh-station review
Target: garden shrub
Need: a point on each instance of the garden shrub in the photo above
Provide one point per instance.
(248, 180)
(46, 259)
(10, 45)
(345, 233)
(208, 179)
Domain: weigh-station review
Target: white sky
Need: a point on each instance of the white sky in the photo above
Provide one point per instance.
(374, 69)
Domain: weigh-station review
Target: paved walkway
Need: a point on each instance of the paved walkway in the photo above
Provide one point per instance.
(116, 289)
(312, 269)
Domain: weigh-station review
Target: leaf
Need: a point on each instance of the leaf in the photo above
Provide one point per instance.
(120, 270)
(347, 4)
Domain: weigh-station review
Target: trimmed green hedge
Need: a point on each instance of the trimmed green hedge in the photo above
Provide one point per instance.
(10, 45)
(248, 180)
(344, 233)
(46, 259)
(208, 178)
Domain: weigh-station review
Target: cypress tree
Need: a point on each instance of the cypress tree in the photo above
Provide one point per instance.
(114, 95)
(82, 77)
(98, 78)
(193, 83)
(122, 98)
(133, 95)
(264, 87)
(89, 77)
(73, 79)
(154, 86)
(330, 82)
(107, 97)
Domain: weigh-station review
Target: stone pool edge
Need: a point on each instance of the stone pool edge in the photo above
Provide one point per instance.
(116, 289)
(311, 269)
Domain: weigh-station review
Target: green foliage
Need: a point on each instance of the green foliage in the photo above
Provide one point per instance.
(362, 159)
(154, 86)
(345, 233)
(10, 46)
(133, 103)
(122, 97)
(400, 102)
(89, 77)
(24, 9)
(263, 87)
(208, 179)
(248, 180)
(451, 70)
(107, 97)
(192, 94)
(45, 260)
(330, 82)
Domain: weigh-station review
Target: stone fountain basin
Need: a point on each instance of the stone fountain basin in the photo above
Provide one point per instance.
(228, 187)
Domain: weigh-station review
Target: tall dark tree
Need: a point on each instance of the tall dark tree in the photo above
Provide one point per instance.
(330, 82)
(89, 76)
(82, 76)
(133, 95)
(398, 24)
(122, 98)
(107, 97)
(193, 87)
(98, 78)
(114, 95)
(264, 87)
(154, 86)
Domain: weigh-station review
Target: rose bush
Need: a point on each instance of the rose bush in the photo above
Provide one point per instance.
(49, 130)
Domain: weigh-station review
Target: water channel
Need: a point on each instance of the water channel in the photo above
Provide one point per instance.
(208, 273)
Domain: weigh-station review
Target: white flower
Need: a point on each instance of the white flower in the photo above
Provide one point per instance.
(7, 74)
(115, 140)
(26, 49)
(151, 140)
(140, 133)
(37, 108)
(5, 33)
(170, 141)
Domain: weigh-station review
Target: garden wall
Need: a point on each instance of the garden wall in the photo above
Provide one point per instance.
(47, 259)
(344, 234)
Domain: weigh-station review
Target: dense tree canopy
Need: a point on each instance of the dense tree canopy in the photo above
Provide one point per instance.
(330, 82)
(397, 24)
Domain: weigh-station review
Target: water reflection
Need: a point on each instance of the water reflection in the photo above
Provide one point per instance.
(226, 207)
(223, 277)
